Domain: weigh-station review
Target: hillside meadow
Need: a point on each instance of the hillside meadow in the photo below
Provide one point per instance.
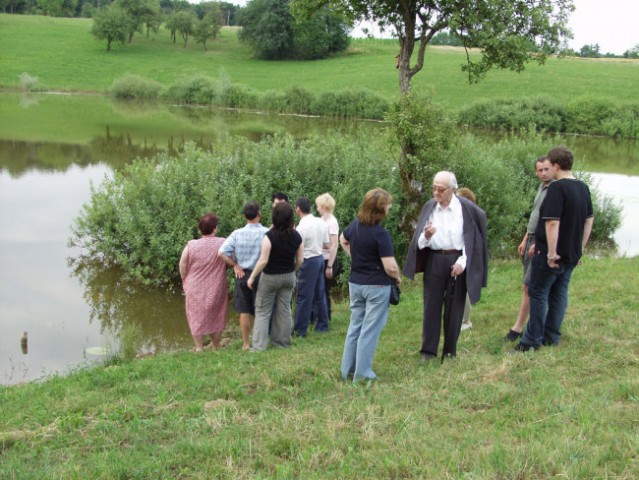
(64, 56)
(568, 412)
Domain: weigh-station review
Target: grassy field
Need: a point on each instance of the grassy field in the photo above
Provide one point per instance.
(567, 412)
(64, 56)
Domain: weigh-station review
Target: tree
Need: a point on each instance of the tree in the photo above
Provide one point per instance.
(140, 12)
(501, 29)
(58, 8)
(207, 28)
(185, 25)
(632, 53)
(271, 30)
(111, 24)
(590, 51)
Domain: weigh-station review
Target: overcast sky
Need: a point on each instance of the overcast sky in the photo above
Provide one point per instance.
(613, 24)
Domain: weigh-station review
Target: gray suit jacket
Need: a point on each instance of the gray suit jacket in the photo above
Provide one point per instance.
(474, 240)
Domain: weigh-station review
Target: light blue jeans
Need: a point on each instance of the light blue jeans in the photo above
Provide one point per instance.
(369, 313)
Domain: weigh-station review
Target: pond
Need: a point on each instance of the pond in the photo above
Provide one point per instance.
(53, 147)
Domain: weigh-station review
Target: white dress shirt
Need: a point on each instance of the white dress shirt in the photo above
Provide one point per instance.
(449, 233)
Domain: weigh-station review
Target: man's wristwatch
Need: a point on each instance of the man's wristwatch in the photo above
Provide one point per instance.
(552, 257)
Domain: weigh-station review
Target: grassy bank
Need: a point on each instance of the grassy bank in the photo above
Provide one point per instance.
(569, 411)
(64, 56)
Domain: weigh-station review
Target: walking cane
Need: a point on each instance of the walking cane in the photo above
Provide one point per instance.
(448, 305)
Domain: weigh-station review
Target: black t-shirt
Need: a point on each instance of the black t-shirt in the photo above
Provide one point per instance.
(283, 248)
(369, 243)
(568, 200)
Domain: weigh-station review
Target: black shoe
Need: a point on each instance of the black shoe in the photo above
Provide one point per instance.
(426, 357)
(511, 336)
(522, 347)
(546, 342)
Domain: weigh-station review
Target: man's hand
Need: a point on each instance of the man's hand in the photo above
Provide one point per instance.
(553, 261)
(239, 271)
(429, 231)
(521, 248)
(456, 270)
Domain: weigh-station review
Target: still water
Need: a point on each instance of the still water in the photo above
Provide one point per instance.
(67, 310)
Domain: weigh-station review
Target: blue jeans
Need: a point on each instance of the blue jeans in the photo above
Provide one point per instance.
(548, 291)
(310, 287)
(369, 313)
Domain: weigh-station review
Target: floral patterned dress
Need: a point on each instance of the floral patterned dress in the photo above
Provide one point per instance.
(205, 286)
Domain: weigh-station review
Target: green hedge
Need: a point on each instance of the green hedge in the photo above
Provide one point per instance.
(584, 115)
(142, 217)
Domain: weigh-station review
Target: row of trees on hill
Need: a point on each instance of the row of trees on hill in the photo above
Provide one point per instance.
(267, 26)
(594, 51)
(88, 8)
(122, 19)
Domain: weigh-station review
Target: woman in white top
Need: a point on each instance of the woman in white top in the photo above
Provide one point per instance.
(325, 205)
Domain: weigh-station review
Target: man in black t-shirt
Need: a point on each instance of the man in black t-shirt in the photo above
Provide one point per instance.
(565, 224)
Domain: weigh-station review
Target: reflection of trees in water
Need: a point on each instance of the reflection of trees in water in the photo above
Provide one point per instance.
(158, 315)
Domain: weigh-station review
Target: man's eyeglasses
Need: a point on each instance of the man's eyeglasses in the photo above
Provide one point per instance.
(438, 189)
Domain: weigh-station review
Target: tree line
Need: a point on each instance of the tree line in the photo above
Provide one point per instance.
(87, 8)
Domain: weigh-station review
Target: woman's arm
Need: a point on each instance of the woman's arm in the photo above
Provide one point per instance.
(184, 262)
(332, 253)
(262, 261)
(392, 269)
(346, 245)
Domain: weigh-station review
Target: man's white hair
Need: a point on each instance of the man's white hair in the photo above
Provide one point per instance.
(449, 177)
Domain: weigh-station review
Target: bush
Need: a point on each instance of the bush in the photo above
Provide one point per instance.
(587, 114)
(351, 103)
(28, 82)
(134, 87)
(198, 89)
(142, 217)
(294, 100)
(539, 113)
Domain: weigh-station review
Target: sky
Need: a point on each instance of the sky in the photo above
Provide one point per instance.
(613, 24)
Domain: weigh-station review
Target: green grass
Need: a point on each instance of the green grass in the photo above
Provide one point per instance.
(64, 56)
(569, 412)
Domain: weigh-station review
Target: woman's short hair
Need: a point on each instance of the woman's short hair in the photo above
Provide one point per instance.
(467, 193)
(207, 223)
(283, 220)
(373, 209)
(326, 201)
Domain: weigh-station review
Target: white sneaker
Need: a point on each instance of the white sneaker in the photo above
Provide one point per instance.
(466, 326)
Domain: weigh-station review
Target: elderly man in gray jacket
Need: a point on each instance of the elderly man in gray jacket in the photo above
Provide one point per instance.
(450, 247)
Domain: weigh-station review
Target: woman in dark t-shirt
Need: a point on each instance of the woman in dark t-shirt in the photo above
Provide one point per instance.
(282, 253)
(373, 270)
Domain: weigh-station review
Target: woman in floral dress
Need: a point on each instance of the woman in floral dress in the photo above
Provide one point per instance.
(203, 275)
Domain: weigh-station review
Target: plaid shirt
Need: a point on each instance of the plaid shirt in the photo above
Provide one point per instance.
(245, 245)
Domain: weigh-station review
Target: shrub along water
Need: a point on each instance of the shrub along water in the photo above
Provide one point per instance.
(142, 217)
(205, 90)
(584, 115)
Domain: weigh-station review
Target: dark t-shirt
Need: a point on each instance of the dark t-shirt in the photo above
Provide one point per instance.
(568, 200)
(369, 243)
(283, 248)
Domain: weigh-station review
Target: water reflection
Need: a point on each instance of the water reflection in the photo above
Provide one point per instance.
(158, 315)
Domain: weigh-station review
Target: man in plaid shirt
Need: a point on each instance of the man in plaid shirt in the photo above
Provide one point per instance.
(241, 250)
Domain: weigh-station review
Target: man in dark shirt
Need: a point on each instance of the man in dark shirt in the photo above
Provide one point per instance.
(565, 224)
